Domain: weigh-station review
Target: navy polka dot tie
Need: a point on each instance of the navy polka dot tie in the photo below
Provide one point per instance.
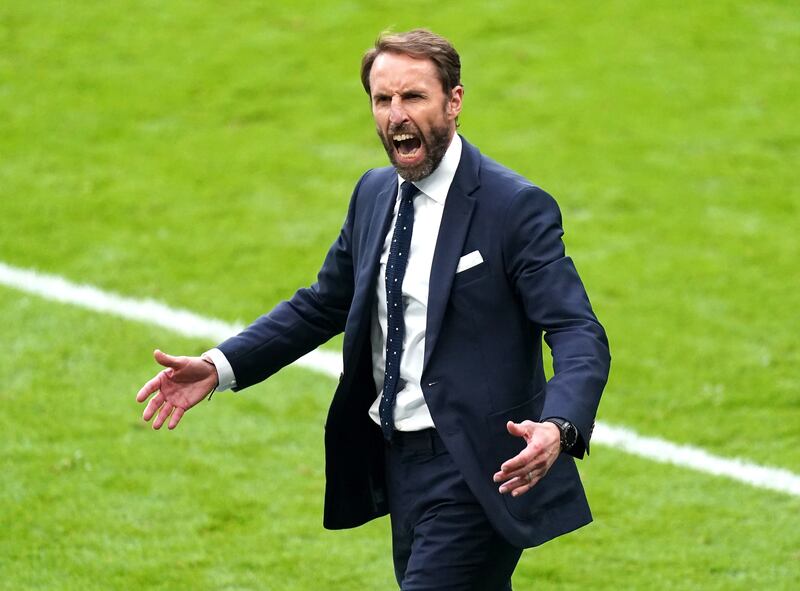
(395, 325)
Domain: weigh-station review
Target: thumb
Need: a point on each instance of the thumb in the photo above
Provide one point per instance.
(168, 360)
(516, 429)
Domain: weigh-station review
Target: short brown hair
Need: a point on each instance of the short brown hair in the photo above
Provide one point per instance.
(421, 44)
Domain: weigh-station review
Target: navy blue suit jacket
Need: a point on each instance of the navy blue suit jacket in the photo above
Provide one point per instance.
(483, 351)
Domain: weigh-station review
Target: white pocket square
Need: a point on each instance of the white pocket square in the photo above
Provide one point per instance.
(469, 260)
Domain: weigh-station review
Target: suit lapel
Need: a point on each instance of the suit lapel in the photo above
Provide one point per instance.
(365, 293)
(456, 218)
(379, 226)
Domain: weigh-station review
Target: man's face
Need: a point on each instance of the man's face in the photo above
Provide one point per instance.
(414, 117)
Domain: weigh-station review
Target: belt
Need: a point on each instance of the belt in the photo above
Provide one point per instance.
(414, 442)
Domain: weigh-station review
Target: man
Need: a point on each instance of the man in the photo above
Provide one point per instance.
(447, 271)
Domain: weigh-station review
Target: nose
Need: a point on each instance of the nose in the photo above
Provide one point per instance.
(397, 113)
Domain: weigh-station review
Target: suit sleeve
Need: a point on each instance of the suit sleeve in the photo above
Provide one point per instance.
(299, 325)
(555, 301)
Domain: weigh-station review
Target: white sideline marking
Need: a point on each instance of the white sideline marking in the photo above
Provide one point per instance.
(189, 324)
(695, 458)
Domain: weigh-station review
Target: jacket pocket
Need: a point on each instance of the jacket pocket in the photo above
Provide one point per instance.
(471, 275)
(503, 446)
(518, 413)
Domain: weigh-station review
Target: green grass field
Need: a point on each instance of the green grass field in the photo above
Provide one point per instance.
(203, 154)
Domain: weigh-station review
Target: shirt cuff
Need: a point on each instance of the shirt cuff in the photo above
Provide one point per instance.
(224, 370)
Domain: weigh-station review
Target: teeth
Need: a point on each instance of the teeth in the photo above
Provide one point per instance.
(402, 136)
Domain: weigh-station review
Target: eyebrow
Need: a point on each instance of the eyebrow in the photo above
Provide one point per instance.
(406, 94)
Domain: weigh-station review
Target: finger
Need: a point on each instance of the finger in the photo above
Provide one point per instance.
(521, 472)
(153, 406)
(528, 483)
(149, 388)
(524, 428)
(169, 360)
(517, 429)
(162, 415)
(521, 484)
(176, 417)
(511, 485)
(521, 490)
(507, 476)
(518, 486)
(537, 461)
(520, 461)
(530, 458)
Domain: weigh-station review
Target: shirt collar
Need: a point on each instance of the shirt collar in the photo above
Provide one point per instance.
(437, 184)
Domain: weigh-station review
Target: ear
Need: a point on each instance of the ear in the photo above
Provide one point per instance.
(454, 102)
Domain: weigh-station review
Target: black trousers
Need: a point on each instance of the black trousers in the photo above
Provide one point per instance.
(441, 538)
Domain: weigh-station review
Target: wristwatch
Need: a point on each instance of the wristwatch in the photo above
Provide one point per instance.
(569, 433)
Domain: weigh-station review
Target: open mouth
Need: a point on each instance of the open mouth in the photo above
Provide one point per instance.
(406, 145)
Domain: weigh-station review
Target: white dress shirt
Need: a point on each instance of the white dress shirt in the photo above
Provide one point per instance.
(411, 412)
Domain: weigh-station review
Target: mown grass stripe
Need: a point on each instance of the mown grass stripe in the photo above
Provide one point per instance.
(183, 322)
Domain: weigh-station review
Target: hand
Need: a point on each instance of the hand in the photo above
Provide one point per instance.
(523, 471)
(185, 382)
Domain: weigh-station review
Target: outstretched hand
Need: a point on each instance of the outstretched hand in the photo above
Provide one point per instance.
(521, 473)
(185, 382)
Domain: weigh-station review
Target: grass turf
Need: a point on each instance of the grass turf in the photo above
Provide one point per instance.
(95, 500)
(204, 154)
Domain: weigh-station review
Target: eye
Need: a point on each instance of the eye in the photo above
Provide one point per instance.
(380, 99)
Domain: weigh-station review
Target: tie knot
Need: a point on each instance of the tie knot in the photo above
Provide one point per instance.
(408, 190)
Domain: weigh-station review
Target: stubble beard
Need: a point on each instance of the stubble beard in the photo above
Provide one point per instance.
(435, 144)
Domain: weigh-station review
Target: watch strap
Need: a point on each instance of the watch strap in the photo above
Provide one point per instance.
(568, 432)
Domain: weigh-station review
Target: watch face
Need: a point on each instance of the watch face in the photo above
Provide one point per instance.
(570, 435)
